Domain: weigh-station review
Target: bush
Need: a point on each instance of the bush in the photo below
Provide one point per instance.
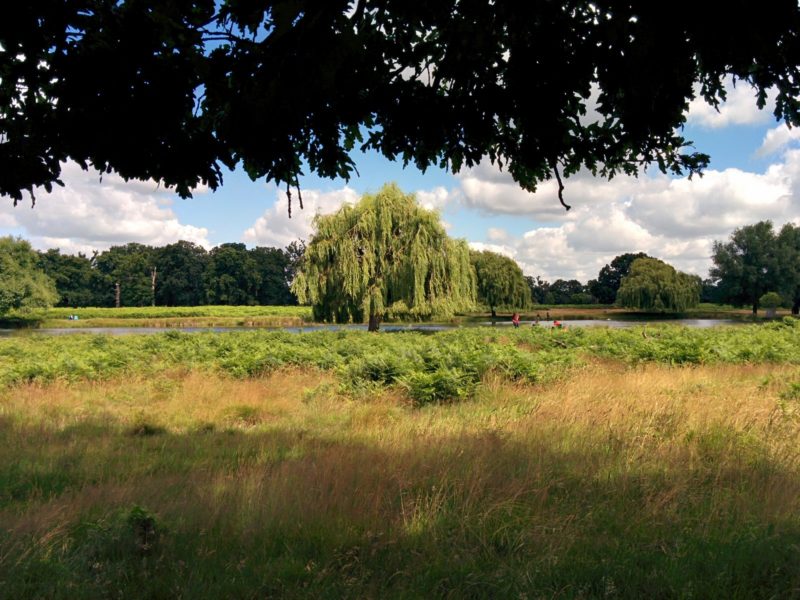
(771, 300)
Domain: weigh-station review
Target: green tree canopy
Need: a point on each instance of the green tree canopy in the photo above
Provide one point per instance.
(789, 267)
(232, 275)
(748, 265)
(131, 266)
(181, 267)
(273, 267)
(76, 279)
(605, 287)
(384, 254)
(188, 87)
(654, 285)
(565, 291)
(23, 284)
(500, 281)
(540, 290)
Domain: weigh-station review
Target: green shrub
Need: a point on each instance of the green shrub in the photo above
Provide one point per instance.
(771, 300)
(447, 365)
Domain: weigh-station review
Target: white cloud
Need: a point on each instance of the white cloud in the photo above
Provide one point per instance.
(675, 219)
(496, 248)
(435, 199)
(738, 109)
(713, 205)
(566, 251)
(777, 139)
(495, 234)
(274, 228)
(88, 214)
(486, 188)
(606, 231)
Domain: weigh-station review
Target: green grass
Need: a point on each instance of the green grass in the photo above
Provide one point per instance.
(161, 316)
(155, 312)
(447, 366)
(471, 463)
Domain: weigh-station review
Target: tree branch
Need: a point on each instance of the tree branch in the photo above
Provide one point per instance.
(560, 187)
(299, 193)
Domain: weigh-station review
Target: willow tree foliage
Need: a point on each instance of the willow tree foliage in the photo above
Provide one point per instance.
(384, 255)
(605, 287)
(500, 281)
(22, 282)
(654, 285)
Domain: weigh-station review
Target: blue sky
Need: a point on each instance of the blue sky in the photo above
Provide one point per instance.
(754, 175)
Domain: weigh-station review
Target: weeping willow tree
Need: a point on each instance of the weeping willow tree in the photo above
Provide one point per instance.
(384, 255)
(500, 281)
(654, 285)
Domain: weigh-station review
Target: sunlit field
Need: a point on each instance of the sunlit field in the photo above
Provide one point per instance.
(510, 464)
(164, 316)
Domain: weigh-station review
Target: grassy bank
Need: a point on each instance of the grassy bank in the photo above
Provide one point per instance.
(292, 316)
(164, 316)
(476, 463)
(607, 311)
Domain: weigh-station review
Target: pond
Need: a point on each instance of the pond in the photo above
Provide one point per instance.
(389, 327)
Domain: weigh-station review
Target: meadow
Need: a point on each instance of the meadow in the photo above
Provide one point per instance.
(501, 463)
(164, 316)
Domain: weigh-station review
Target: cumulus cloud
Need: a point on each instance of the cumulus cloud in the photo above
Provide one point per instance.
(486, 188)
(435, 199)
(492, 191)
(675, 219)
(777, 139)
(496, 248)
(739, 108)
(87, 214)
(567, 251)
(274, 228)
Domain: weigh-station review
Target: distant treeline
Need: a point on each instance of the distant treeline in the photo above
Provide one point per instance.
(179, 274)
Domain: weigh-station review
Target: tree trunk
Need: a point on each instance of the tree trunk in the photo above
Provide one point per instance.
(374, 323)
(796, 307)
(494, 313)
(153, 273)
(116, 294)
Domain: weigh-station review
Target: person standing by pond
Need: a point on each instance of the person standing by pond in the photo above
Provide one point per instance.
(515, 320)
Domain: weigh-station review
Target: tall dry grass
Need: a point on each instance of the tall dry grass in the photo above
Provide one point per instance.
(628, 482)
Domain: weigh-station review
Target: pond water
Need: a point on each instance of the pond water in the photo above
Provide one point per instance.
(389, 327)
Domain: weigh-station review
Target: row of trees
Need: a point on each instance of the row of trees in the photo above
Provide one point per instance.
(179, 274)
(757, 260)
(387, 256)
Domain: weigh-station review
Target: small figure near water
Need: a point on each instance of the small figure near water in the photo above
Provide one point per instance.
(515, 320)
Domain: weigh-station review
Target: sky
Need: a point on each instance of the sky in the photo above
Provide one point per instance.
(754, 175)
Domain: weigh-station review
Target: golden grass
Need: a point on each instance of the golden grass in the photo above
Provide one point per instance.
(614, 417)
(538, 469)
